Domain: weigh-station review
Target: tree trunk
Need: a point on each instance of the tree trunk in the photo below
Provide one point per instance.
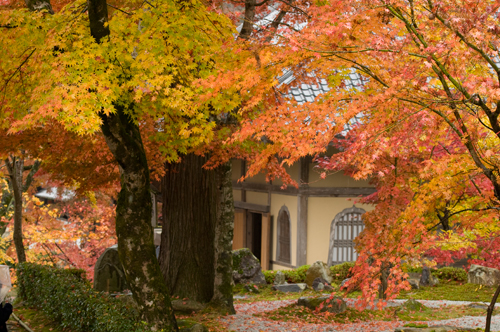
(223, 283)
(187, 255)
(133, 222)
(489, 311)
(133, 210)
(15, 168)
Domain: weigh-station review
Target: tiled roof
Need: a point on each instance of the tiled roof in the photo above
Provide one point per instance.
(309, 92)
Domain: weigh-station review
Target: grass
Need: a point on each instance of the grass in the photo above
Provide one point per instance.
(453, 291)
(301, 314)
(267, 294)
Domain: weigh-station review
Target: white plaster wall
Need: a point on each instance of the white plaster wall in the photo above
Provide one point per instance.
(320, 214)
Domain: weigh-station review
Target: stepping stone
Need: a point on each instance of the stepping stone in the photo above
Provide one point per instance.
(290, 288)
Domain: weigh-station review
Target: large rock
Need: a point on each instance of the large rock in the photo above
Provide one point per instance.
(318, 270)
(108, 272)
(427, 279)
(483, 275)
(246, 268)
(290, 288)
(414, 283)
(319, 284)
(413, 305)
(336, 305)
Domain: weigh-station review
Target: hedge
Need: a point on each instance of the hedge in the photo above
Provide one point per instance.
(338, 273)
(65, 296)
(342, 271)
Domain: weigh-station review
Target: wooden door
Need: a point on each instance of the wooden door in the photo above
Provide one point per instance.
(240, 229)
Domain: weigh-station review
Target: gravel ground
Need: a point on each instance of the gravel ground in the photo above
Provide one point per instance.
(245, 321)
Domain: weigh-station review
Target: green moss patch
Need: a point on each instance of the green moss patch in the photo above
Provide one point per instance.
(36, 320)
(454, 291)
(304, 315)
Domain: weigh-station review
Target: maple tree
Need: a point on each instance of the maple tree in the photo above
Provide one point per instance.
(127, 83)
(427, 117)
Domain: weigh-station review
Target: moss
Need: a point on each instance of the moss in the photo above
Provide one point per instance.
(416, 325)
(413, 305)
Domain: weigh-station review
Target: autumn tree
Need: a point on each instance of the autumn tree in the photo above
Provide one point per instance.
(197, 192)
(114, 81)
(431, 81)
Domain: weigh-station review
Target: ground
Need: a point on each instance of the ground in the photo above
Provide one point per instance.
(275, 311)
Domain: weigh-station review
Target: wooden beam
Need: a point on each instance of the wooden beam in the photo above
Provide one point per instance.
(306, 190)
(251, 207)
(302, 206)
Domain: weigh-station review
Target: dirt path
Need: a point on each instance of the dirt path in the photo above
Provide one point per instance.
(245, 321)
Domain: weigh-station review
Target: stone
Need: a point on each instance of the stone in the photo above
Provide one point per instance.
(198, 328)
(482, 275)
(318, 270)
(478, 305)
(414, 283)
(246, 268)
(5, 281)
(319, 287)
(290, 288)
(279, 278)
(108, 272)
(413, 305)
(427, 279)
(437, 328)
(336, 305)
(319, 284)
(343, 283)
(252, 289)
(328, 288)
(187, 306)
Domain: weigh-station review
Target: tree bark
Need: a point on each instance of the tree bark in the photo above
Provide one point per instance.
(133, 211)
(133, 222)
(489, 311)
(15, 167)
(223, 280)
(187, 255)
(196, 245)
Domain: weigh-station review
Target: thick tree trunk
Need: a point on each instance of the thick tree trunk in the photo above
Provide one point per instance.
(196, 245)
(223, 283)
(133, 211)
(187, 255)
(133, 222)
(15, 168)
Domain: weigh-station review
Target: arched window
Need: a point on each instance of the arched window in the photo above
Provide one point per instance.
(284, 243)
(344, 228)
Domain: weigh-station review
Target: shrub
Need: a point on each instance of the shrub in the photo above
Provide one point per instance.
(341, 271)
(451, 273)
(269, 275)
(297, 275)
(67, 297)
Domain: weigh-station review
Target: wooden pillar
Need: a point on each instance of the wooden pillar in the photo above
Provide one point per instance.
(239, 229)
(302, 204)
(265, 253)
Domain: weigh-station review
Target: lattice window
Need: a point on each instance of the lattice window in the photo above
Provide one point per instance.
(284, 243)
(344, 228)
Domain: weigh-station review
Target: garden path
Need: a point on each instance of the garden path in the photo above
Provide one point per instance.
(245, 321)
